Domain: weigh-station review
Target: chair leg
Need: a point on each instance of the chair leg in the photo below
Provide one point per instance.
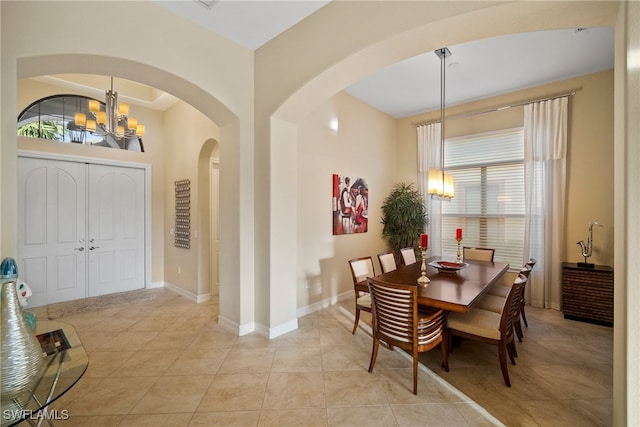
(355, 323)
(524, 318)
(444, 350)
(511, 347)
(374, 353)
(502, 355)
(415, 372)
(518, 327)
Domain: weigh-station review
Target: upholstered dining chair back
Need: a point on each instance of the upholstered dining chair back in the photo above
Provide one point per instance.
(408, 256)
(397, 321)
(387, 261)
(361, 268)
(477, 254)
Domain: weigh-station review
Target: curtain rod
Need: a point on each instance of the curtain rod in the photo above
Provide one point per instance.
(493, 110)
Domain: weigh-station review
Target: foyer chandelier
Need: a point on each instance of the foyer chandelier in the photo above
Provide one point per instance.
(440, 183)
(114, 121)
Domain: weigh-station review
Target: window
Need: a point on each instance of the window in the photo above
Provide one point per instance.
(53, 118)
(488, 171)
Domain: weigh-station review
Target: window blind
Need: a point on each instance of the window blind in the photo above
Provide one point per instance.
(488, 171)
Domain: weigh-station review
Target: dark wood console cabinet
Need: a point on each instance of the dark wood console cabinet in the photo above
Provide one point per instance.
(587, 293)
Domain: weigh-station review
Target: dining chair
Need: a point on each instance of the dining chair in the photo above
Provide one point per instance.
(523, 302)
(387, 261)
(490, 327)
(408, 256)
(477, 254)
(397, 321)
(361, 269)
(495, 298)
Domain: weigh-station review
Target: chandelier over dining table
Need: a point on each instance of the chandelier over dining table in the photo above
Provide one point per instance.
(441, 183)
(114, 121)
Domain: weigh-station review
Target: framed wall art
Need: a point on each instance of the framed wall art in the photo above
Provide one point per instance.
(350, 204)
(182, 237)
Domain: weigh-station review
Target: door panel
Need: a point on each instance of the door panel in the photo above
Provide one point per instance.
(116, 229)
(52, 229)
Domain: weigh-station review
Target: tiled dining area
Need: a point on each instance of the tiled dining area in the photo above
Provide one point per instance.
(166, 362)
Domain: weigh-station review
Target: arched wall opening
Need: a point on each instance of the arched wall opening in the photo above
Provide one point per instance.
(474, 24)
(282, 123)
(228, 146)
(208, 191)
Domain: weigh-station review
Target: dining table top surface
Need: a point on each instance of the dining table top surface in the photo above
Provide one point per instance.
(452, 291)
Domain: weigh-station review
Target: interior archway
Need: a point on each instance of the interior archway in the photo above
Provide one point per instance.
(189, 93)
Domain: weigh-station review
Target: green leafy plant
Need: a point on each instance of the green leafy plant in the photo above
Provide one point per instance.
(404, 217)
(44, 130)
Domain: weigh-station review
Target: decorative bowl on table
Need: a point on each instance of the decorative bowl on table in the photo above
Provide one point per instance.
(448, 266)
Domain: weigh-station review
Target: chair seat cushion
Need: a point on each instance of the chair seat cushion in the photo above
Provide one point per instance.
(479, 322)
(491, 303)
(499, 290)
(364, 300)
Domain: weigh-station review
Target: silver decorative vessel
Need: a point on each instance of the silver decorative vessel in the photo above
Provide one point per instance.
(21, 356)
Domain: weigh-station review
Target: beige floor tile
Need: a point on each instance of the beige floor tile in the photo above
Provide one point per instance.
(234, 392)
(476, 416)
(170, 340)
(225, 419)
(307, 417)
(288, 359)
(353, 388)
(173, 394)
(357, 416)
(157, 420)
(128, 341)
(93, 421)
(435, 415)
(247, 360)
(147, 364)
(112, 396)
(213, 338)
(104, 363)
(288, 390)
(198, 361)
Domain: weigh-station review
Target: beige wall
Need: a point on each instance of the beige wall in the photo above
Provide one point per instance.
(186, 130)
(363, 146)
(589, 153)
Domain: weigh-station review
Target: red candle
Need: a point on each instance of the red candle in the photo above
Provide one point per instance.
(459, 233)
(424, 240)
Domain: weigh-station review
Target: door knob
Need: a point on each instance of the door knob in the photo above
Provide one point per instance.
(81, 248)
(93, 247)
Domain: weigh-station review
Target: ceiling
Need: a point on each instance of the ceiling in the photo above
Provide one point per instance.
(475, 70)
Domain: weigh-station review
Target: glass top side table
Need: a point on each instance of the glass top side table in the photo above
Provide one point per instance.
(61, 371)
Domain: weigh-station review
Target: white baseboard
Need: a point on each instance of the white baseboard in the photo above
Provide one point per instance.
(311, 308)
(181, 291)
(177, 289)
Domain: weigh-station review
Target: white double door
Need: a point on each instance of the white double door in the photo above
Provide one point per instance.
(80, 229)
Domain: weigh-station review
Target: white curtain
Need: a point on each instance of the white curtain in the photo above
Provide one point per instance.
(545, 148)
(429, 157)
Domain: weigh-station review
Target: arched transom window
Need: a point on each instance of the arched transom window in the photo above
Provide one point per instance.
(53, 118)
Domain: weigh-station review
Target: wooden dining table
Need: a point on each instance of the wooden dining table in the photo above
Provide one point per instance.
(456, 291)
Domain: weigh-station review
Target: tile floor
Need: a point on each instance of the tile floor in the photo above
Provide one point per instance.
(167, 363)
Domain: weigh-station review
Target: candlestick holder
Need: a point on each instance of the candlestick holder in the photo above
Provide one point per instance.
(423, 279)
(458, 254)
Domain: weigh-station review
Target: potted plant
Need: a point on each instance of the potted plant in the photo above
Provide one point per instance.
(404, 217)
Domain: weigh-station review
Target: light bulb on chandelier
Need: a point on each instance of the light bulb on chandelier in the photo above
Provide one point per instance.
(114, 121)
